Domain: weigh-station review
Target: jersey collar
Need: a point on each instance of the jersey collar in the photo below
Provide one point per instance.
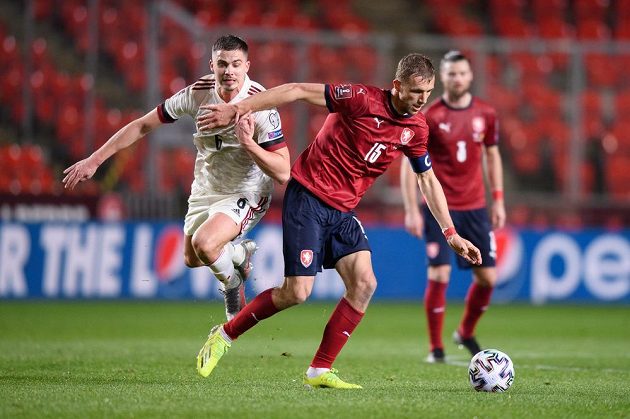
(393, 109)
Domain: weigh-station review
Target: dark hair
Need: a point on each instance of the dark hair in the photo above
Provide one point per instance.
(415, 65)
(230, 43)
(452, 57)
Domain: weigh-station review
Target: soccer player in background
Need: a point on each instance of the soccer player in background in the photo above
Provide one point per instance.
(234, 169)
(367, 128)
(461, 128)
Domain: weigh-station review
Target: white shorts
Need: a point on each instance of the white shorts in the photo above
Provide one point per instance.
(245, 209)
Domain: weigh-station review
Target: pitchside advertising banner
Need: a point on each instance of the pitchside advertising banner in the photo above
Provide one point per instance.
(144, 261)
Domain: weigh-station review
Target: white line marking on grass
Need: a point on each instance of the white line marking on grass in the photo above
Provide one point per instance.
(462, 363)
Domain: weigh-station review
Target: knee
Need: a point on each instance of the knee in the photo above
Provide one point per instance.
(365, 284)
(292, 296)
(206, 247)
(486, 278)
(192, 261)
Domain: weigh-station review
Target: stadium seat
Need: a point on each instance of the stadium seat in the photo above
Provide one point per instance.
(552, 27)
(592, 29)
(601, 70)
(618, 176)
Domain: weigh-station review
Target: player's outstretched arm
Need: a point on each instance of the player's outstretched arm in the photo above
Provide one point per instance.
(409, 189)
(126, 136)
(223, 114)
(275, 164)
(434, 195)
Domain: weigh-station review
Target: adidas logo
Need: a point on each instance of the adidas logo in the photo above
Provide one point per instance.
(237, 211)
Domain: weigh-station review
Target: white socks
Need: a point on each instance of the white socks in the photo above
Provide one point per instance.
(223, 267)
(315, 372)
(238, 255)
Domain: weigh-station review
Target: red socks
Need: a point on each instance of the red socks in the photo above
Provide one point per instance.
(477, 302)
(340, 326)
(258, 309)
(435, 307)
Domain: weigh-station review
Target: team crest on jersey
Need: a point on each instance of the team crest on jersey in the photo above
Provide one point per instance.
(479, 128)
(433, 249)
(343, 91)
(306, 257)
(274, 119)
(406, 136)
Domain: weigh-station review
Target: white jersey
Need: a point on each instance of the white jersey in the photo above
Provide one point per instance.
(222, 167)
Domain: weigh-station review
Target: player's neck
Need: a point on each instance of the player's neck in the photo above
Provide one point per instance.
(227, 96)
(462, 101)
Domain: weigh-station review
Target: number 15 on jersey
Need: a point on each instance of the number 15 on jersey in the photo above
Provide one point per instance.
(375, 152)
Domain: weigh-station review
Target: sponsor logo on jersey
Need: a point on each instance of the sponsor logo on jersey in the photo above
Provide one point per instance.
(378, 122)
(274, 119)
(306, 257)
(343, 91)
(406, 136)
(361, 91)
(236, 211)
(274, 134)
(445, 126)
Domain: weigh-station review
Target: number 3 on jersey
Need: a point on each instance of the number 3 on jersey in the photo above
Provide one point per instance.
(375, 152)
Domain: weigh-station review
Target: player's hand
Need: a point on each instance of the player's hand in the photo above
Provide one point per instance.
(414, 223)
(245, 129)
(497, 214)
(465, 249)
(214, 116)
(79, 172)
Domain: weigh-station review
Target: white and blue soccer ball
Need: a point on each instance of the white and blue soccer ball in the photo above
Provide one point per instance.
(491, 370)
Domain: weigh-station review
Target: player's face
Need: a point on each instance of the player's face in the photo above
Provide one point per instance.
(411, 95)
(229, 69)
(456, 77)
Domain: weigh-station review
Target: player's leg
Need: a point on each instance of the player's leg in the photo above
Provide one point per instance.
(301, 247)
(476, 227)
(349, 252)
(435, 309)
(438, 275)
(212, 244)
(477, 302)
(357, 274)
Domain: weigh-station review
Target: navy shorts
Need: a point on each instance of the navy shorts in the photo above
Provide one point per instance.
(316, 234)
(473, 225)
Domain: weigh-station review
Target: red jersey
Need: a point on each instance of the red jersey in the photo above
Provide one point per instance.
(360, 138)
(455, 139)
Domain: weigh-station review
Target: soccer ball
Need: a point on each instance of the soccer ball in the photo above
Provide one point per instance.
(491, 370)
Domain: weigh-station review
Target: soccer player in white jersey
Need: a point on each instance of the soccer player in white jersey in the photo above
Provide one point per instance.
(234, 169)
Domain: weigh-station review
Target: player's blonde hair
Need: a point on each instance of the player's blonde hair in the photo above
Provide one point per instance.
(415, 65)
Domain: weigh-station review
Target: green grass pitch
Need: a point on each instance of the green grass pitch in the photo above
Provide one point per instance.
(137, 359)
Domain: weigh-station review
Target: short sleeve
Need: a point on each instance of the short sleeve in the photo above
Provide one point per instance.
(269, 130)
(178, 105)
(349, 99)
(416, 146)
(492, 132)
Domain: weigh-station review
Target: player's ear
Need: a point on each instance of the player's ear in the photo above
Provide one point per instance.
(396, 84)
(246, 66)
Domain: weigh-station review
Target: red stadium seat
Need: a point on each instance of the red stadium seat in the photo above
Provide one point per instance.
(590, 9)
(592, 29)
(618, 176)
(552, 27)
(601, 70)
(513, 27)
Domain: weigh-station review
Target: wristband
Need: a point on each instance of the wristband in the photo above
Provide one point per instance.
(497, 194)
(449, 232)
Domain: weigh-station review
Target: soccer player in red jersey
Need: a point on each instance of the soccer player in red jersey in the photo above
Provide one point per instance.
(367, 128)
(461, 129)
